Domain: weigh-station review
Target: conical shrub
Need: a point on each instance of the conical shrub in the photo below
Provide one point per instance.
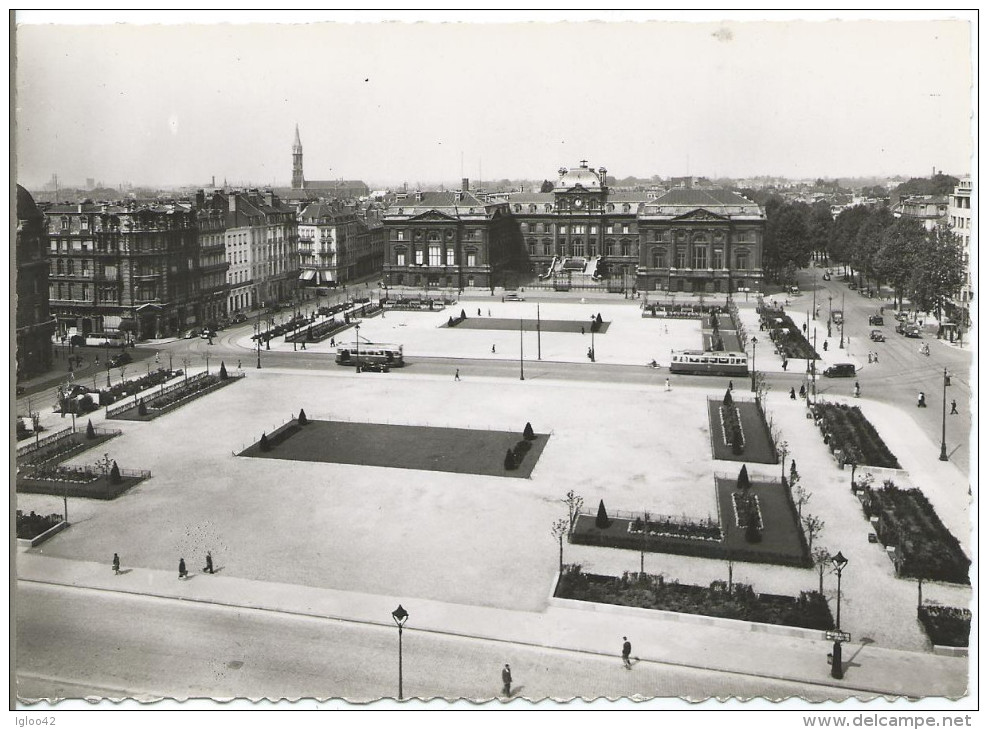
(302, 420)
(223, 375)
(115, 477)
(529, 433)
(602, 521)
(90, 431)
(744, 483)
(141, 408)
(263, 445)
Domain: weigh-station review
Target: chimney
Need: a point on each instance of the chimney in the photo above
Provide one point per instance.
(269, 197)
(213, 184)
(200, 199)
(79, 208)
(465, 184)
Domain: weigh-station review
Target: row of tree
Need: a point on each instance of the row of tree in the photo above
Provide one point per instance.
(927, 267)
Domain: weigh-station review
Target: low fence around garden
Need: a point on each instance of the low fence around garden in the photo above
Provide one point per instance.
(126, 405)
(41, 443)
(46, 451)
(194, 392)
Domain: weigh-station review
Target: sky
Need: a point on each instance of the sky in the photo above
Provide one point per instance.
(425, 102)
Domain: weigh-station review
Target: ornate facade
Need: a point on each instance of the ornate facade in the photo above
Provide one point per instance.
(35, 325)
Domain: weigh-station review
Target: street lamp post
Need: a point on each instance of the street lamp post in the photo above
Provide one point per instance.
(538, 329)
(521, 341)
(837, 668)
(943, 427)
(400, 616)
(754, 343)
(357, 329)
(842, 318)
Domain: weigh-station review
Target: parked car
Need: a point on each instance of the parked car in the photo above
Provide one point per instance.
(122, 359)
(794, 291)
(191, 333)
(876, 320)
(837, 316)
(374, 367)
(901, 316)
(877, 336)
(840, 370)
(513, 297)
(826, 276)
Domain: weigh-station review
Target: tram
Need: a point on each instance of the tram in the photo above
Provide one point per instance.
(700, 362)
(370, 353)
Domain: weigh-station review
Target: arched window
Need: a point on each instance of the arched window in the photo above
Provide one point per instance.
(532, 208)
(610, 207)
(627, 207)
(524, 227)
(517, 208)
(433, 236)
(548, 208)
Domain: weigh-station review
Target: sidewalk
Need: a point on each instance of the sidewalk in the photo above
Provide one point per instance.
(868, 669)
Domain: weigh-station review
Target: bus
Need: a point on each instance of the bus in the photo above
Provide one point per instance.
(371, 354)
(700, 362)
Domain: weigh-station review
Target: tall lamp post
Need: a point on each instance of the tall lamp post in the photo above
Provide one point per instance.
(357, 329)
(521, 341)
(837, 667)
(842, 318)
(943, 427)
(754, 343)
(400, 615)
(538, 329)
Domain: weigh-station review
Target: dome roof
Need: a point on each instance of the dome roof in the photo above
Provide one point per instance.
(581, 176)
(27, 209)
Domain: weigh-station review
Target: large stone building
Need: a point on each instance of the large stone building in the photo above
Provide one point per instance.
(686, 239)
(260, 237)
(339, 189)
(123, 268)
(211, 287)
(338, 243)
(447, 240)
(35, 325)
(959, 221)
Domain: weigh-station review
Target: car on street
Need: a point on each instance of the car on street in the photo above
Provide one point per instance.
(852, 286)
(877, 336)
(122, 359)
(513, 297)
(840, 370)
(909, 330)
(901, 316)
(190, 334)
(876, 320)
(826, 276)
(374, 367)
(837, 316)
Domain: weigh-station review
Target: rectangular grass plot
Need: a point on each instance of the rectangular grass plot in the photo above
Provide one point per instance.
(427, 448)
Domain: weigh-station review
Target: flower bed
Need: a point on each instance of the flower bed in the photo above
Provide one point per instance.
(946, 625)
(846, 429)
(79, 482)
(63, 448)
(671, 527)
(681, 311)
(29, 526)
(756, 440)
(155, 406)
(924, 548)
(742, 603)
(788, 338)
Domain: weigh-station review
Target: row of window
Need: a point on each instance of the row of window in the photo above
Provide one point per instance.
(576, 247)
(661, 258)
(473, 234)
(435, 257)
(592, 204)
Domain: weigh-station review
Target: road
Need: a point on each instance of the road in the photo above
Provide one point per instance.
(902, 372)
(76, 642)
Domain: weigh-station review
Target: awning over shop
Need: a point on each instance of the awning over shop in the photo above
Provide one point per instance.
(307, 276)
(325, 277)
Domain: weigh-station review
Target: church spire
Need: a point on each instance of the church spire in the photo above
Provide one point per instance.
(298, 178)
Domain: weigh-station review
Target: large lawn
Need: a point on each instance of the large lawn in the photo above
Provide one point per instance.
(459, 450)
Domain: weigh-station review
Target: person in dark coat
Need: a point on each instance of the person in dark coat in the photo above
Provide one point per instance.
(182, 572)
(626, 653)
(792, 394)
(209, 563)
(116, 564)
(506, 680)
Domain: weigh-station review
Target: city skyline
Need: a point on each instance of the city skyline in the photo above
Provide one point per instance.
(393, 103)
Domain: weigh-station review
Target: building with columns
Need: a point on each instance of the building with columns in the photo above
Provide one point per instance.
(447, 240)
(684, 240)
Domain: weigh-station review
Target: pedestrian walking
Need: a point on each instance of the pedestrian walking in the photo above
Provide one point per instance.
(239, 365)
(626, 653)
(668, 386)
(457, 376)
(96, 361)
(730, 385)
(802, 391)
(506, 680)
(303, 344)
(583, 331)
(876, 358)
(921, 400)
(157, 358)
(116, 564)
(826, 345)
(182, 572)
(209, 563)
(792, 394)
(869, 358)
(493, 349)
(478, 312)
(488, 313)
(953, 408)
(785, 364)
(857, 389)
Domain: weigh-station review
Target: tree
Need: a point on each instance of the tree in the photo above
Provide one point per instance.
(559, 532)
(529, 434)
(223, 375)
(547, 186)
(868, 242)
(574, 503)
(845, 232)
(602, 522)
(90, 431)
(302, 419)
(744, 483)
(818, 227)
(902, 243)
(801, 498)
(115, 477)
(141, 408)
(938, 272)
(728, 398)
(783, 449)
(737, 440)
(787, 237)
(821, 559)
(263, 444)
(814, 526)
